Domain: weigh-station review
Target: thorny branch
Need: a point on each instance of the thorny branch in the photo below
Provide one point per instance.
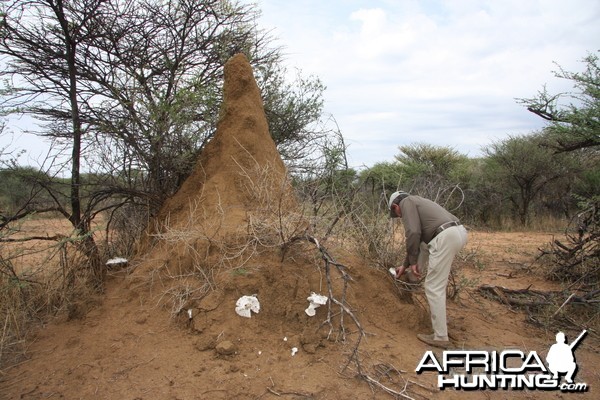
(576, 259)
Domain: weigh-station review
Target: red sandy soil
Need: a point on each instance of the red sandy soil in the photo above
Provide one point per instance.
(138, 342)
(128, 348)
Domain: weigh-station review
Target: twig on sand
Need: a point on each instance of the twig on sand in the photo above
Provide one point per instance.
(563, 304)
(134, 366)
(290, 393)
(387, 389)
(280, 393)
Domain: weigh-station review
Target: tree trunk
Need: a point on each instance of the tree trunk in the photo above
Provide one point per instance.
(82, 225)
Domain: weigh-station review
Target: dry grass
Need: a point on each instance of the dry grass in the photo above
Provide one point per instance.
(39, 278)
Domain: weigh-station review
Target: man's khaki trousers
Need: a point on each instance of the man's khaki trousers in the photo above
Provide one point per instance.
(440, 253)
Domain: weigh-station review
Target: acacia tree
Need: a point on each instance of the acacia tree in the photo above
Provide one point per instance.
(41, 42)
(149, 77)
(575, 128)
(159, 68)
(520, 168)
(575, 125)
(294, 112)
(165, 66)
(431, 171)
(429, 167)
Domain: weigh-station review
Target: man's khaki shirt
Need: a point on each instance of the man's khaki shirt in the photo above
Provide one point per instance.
(421, 217)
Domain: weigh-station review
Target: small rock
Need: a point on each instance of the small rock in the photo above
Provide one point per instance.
(226, 348)
(200, 324)
(204, 342)
(310, 348)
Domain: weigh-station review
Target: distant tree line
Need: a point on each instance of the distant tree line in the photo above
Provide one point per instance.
(520, 179)
(517, 179)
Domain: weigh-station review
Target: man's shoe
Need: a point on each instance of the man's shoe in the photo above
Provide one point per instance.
(430, 340)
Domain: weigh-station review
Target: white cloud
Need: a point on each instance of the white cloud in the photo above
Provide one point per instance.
(447, 71)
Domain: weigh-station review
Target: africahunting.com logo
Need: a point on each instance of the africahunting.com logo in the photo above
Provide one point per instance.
(508, 369)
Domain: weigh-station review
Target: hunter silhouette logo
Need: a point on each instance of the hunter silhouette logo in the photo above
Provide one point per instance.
(560, 357)
(507, 369)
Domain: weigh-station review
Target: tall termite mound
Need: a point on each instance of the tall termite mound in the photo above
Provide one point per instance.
(238, 176)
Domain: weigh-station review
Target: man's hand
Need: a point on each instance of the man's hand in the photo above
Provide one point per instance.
(400, 271)
(415, 270)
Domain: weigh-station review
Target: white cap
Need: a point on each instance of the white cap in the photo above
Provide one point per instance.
(392, 198)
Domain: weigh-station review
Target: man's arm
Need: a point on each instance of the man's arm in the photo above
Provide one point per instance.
(412, 230)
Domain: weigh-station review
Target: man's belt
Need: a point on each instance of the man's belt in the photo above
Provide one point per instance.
(445, 226)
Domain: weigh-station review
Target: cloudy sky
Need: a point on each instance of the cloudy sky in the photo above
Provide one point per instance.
(443, 72)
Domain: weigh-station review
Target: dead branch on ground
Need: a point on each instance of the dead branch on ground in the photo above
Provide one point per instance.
(529, 297)
(545, 307)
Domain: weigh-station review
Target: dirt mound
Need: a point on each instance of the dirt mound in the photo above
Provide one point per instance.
(220, 237)
(237, 180)
(241, 148)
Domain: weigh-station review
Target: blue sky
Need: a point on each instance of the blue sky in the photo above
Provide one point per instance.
(440, 72)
